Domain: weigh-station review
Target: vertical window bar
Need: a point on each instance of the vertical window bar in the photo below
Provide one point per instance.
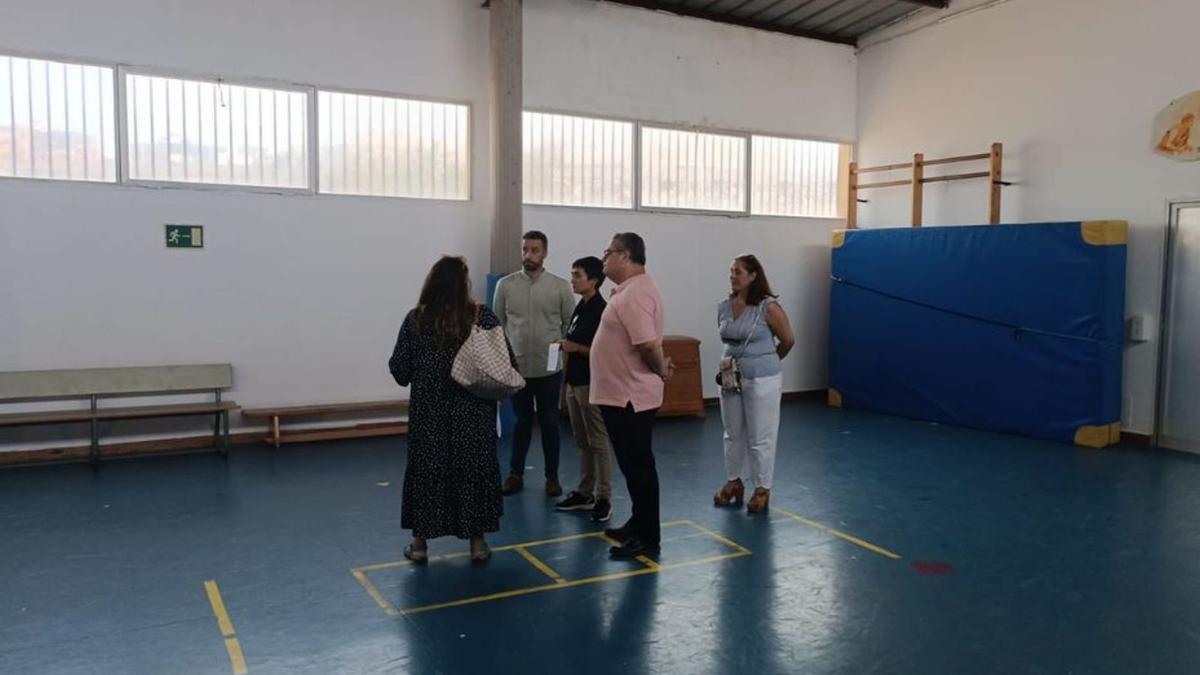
(49, 123)
(184, 127)
(67, 119)
(134, 84)
(12, 113)
(396, 129)
(370, 105)
(200, 132)
(32, 125)
(345, 142)
(275, 136)
(262, 168)
(291, 135)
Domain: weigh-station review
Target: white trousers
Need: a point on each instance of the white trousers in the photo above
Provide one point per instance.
(751, 420)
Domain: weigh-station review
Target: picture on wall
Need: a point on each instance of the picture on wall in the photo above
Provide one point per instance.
(1176, 131)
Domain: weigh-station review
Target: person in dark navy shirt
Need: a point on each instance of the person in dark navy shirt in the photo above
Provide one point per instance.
(595, 452)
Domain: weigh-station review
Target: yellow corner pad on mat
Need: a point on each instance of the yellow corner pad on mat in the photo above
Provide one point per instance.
(839, 238)
(1105, 232)
(835, 398)
(1098, 437)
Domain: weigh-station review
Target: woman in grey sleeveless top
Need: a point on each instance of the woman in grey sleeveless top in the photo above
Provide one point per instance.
(757, 336)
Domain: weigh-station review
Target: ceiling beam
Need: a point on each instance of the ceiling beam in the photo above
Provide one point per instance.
(683, 10)
(936, 4)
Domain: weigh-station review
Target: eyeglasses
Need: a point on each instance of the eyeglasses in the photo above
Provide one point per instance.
(610, 251)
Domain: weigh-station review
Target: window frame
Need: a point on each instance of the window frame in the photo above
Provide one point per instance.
(744, 212)
(315, 133)
(635, 174)
(179, 74)
(846, 153)
(121, 131)
(115, 140)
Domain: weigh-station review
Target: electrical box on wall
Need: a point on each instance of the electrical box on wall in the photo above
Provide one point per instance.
(1137, 329)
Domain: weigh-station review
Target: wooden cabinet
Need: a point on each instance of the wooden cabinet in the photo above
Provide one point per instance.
(684, 394)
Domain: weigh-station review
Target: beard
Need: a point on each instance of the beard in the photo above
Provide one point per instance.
(530, 266)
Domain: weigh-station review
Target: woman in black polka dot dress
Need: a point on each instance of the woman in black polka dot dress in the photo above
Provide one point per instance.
(452, 483)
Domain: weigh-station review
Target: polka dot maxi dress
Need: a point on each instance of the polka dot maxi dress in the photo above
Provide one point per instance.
(452, 482)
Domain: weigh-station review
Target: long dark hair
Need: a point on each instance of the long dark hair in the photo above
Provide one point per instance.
(445, 308)
(760, 288)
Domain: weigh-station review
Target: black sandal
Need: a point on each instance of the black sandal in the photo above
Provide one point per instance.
(418, 557)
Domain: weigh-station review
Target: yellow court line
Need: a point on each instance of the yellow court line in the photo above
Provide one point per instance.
(374, 592)
(719, 537)
(236, 659)
(645, 560)
(543, 567)
(498, 549)
(838, 533)
(218, 607)
(235, 655)
(566, 584)
(509, 547)
(651, 567)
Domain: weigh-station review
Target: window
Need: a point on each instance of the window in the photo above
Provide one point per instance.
(211, 132)
(794, 178)
(577, 161)
(693, 170)
(56, 120)
(393, 147)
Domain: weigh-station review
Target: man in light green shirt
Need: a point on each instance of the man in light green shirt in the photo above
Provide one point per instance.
(535, 308)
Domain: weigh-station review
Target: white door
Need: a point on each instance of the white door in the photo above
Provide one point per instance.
(1179, 394)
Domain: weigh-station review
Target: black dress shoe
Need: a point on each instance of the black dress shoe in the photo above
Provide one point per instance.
(633, 548)
(619, 534)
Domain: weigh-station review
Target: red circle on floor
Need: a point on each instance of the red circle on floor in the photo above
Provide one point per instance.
(934, 568)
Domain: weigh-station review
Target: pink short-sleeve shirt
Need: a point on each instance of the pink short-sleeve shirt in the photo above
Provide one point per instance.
(634, 316)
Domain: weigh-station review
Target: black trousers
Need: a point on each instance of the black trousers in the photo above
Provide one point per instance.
(631, 436)
(542, 392)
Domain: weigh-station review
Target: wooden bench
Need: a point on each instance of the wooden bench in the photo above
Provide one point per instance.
(275, 417)
(97, 384)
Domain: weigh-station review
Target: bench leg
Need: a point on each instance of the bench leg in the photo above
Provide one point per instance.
(275, 430)
(225, 437)
(95, 458)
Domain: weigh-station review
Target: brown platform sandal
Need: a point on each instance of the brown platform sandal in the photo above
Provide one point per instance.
(733, 492)
(760, 501)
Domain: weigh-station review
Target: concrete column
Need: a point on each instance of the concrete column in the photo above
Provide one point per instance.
(505, 39)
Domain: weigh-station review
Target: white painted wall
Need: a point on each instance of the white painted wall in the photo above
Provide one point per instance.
(595, 57)
(689, 257)
(304, 294)
(1071, 88)
(625, 62)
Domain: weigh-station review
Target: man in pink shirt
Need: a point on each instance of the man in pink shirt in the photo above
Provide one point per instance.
(628, 373)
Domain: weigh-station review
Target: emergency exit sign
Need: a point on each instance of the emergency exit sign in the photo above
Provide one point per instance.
(185, 236)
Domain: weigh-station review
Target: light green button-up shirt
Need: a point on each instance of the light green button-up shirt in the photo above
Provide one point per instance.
(535, 314)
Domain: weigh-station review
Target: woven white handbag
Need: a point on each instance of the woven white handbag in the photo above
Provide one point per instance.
(482, 366)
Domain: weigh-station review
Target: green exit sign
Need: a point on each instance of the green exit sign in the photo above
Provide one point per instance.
(185, 236)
